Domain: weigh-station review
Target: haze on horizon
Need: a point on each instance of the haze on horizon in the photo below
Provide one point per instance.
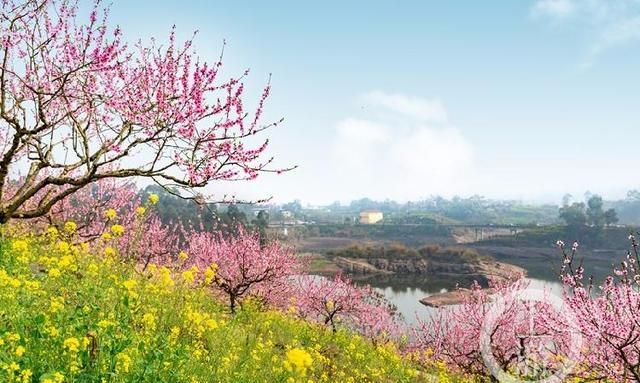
(518, 100)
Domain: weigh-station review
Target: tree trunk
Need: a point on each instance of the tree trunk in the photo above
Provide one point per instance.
(232, 303)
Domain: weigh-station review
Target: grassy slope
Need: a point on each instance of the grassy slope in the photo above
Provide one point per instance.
(71, 316)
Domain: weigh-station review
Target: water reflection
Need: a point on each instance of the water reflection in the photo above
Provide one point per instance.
(408, 303)
(399, 283)
(405, 292)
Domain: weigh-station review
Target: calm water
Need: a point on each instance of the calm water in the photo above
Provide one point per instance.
(406, 292)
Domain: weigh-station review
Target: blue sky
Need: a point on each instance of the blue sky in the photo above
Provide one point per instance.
(406, 99)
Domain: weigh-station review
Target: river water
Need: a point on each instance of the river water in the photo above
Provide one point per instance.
(405, 293)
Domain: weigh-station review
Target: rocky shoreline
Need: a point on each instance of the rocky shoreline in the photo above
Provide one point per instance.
(505, 272)
(481, 270)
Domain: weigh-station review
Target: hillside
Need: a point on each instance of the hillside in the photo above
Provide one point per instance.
(73, 316)
(457, 263)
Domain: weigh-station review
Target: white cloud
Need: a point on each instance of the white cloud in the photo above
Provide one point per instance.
(437, 153)
(357, 141)
(622, 32)
(403, 159)
(553, 8)
(415, 107)
(607, 23)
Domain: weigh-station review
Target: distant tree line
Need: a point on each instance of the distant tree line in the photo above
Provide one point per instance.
(628, 208)
(579, 215)
(225, 218)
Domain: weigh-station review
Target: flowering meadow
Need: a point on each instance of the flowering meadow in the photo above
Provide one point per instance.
(85, 311)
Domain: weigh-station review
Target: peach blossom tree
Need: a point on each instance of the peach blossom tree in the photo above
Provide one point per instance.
(79, 105)
(242, 265)
(339, 302)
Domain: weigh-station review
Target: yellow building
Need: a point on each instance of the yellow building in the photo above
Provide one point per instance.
(369, 217)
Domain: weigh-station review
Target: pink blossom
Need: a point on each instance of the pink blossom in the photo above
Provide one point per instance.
(338, 302)
(79, 105)
(243, 265)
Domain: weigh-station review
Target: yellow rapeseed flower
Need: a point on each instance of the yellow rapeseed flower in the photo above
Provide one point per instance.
(56, 304)
(165, 277)
(153, 198)
(67, 262)
(298, 360)
(140, 210)
(52, 232)
(46, 261)
(109, 251)
(117, 230)
(71, 344)
(32, 285)
(149, 321)
(175, 332)
(211, 324)
(20, 351)
(110, 214)
(20, 246)
(52, 331)
(54, 273)
(93, 269)
(123, 362)
(25, 375)
(183, 256)
(103, 324)
(190, 275)
(210, 273)
(6, 280)
(64, 246)
(130, 284)
(70, 227)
